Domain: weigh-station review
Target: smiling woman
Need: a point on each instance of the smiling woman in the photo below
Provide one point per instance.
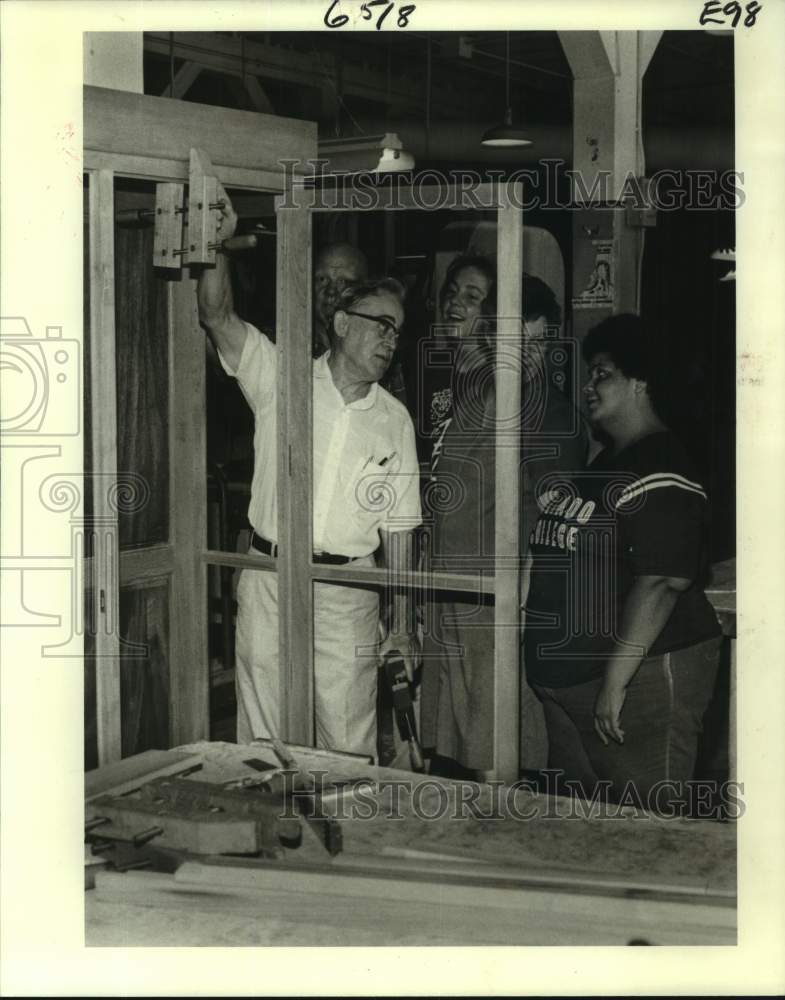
(622, 393)
(462, 632)
(621, 643)
(468, 293)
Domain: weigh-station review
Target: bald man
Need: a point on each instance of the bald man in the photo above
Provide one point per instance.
(337, 266)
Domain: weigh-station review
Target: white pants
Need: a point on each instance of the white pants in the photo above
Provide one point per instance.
(346, 621)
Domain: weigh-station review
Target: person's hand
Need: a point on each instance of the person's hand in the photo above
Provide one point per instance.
(407, 645)
(607, 712)
(227, 217)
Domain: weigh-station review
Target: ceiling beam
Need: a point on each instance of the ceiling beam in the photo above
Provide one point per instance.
(184, 79)
(228, 54)
(259, 99)
(246, 91)
(608, 68)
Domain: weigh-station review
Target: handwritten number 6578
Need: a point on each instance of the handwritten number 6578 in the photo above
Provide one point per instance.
(339, 20)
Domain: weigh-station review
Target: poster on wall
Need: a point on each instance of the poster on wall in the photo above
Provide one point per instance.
(599, 285)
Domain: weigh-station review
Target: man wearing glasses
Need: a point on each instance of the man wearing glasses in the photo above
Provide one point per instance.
(365, 497)
(338, 266)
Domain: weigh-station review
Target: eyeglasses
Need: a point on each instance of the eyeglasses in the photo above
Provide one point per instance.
(389, 329)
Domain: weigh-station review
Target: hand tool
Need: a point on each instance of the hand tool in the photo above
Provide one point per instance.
(394, 670)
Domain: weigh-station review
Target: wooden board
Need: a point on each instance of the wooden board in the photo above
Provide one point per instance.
(507, 607)
(399, 197)
(461, 916)
(295, 520)
(392, 878)
(162, 129)
(125, 775)
(541, 833)
(189, 678)
(168, 239)
(103, 401)
(370, 576)
(586, 881)
(200, 834)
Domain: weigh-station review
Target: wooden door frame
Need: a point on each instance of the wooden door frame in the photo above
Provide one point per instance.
(297, 572)
(131, 135)
(150, 138)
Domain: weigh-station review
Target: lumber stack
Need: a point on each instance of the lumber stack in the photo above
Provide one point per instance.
(481, 905)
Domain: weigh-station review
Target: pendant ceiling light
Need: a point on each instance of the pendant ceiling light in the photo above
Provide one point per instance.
(376, 154)
(506, 134)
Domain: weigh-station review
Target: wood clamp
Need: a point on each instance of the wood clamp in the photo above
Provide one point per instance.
(190, 234)
(168, 239)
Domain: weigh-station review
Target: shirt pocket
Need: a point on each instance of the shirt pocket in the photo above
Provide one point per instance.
(369, 492)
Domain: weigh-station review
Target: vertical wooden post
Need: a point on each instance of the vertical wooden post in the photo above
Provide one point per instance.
(507, 639)
(732, 725)
(104, 429)
(189, 680)
(607, 147)
(295, 492)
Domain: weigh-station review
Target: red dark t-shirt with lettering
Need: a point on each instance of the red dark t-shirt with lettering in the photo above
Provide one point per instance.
(641, 512)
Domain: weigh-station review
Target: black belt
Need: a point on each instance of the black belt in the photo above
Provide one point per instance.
(271, 549)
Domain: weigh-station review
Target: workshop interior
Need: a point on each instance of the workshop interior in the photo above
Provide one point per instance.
(173, 805)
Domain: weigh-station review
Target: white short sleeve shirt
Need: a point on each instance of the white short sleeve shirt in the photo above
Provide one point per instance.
(365, 471)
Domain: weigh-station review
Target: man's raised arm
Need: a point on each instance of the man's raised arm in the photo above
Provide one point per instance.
(214, 295)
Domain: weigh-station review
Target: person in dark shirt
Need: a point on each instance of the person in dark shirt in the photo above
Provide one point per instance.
(458, 653)
(620, 642)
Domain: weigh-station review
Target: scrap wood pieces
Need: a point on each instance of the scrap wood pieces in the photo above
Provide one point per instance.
(138, 801)
(130, 773)
(194, 816)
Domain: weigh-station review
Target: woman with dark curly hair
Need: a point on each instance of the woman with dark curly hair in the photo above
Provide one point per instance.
(620, 641)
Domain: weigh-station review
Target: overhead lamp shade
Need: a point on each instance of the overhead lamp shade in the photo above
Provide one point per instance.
(506, 134)
(365, 154)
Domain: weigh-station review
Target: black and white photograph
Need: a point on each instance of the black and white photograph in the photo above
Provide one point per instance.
(392, 449)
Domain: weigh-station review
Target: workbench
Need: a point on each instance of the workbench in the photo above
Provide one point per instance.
(633, 878)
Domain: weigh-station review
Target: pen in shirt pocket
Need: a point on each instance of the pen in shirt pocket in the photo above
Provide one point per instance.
(384, 461)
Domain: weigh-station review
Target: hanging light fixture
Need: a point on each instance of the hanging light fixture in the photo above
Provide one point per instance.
(378, 154)
(506, 134)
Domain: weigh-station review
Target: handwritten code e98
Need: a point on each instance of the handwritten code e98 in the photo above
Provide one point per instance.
(716, 12)
(337, 19)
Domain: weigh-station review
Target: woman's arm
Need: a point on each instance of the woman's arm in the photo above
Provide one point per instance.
(646, 610)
